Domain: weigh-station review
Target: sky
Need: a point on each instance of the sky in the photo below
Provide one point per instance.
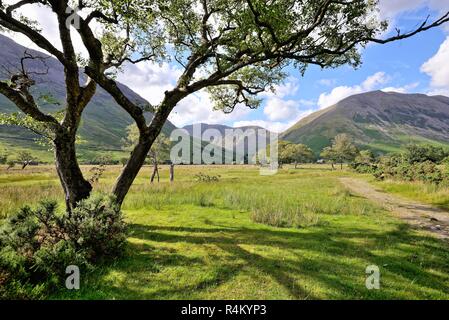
(416, 65)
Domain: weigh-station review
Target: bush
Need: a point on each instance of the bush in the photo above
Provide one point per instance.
(363, 167)
(395, 167)
(37, 245)
(201, 177)
(422, 153)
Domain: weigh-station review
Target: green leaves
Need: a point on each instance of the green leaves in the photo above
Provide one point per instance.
(342, 150)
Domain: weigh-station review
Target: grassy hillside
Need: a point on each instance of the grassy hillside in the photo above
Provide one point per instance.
(383, 122)
(103, 123)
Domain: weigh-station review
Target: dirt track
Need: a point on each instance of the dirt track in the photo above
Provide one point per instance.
(419, 215)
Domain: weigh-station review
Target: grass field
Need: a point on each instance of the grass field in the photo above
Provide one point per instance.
(197, 240)
(427, 193)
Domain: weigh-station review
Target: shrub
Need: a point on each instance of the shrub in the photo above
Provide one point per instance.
(422, 153)
(395, 167)
(201, 177)
(37, 245)
(363, 167)
(3, 158)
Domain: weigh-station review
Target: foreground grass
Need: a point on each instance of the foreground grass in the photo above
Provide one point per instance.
(196, 240)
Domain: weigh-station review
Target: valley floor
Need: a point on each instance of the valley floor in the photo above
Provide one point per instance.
(197, 240)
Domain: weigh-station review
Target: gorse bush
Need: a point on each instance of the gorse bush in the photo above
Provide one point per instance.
(37, 245)
(399, 168)
(424, 153)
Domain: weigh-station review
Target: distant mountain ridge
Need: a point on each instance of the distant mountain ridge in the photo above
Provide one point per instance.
(382, 121)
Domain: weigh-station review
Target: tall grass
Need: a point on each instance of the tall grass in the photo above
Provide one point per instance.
(293, 198)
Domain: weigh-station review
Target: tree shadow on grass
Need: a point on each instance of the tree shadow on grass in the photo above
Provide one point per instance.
(333, 259)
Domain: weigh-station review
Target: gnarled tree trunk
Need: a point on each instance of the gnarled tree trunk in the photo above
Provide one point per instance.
(76, 188)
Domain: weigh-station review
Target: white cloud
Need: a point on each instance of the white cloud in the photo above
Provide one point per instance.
(404, 89)
(437, 67)
(150, 80)
(199, 108)
(277, 109)
(287, 89)
(392, 8)
(327, 82)
(339, 93)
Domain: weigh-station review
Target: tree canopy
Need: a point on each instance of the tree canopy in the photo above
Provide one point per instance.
(295, 153)
(341, 151)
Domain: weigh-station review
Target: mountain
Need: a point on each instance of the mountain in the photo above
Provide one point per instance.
(103, 123)
(238, 137)
(381, 121)
(221, 128)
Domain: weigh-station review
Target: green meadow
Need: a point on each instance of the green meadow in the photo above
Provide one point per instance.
(295, 235)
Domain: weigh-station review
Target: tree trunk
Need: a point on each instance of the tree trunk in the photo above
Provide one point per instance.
(333, 168)
(341, 166)
(146, 140)
(76, 188)
(296, 165)
(155, 172)
(131, 170)
(172, 172)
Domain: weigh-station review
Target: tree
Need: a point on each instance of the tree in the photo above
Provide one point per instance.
(329, 155)
(25, 158)
(3, 158)
(365, 157)
(295, 153)
(341, 151)
(159, 150)
(11, 164)
(235, 49)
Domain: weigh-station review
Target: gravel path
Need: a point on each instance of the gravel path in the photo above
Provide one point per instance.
(419, 215)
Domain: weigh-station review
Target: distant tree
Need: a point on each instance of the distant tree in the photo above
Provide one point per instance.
(365, 162)
(11, 164)
(3, 158)
(25, 158)
(234, 49)
(159, 150)
(329, 155)
(365, 157)
(295, 153)
(341, 151)
(123, 161)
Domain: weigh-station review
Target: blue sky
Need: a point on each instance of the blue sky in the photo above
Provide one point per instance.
(397, 66)
(416, 65)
